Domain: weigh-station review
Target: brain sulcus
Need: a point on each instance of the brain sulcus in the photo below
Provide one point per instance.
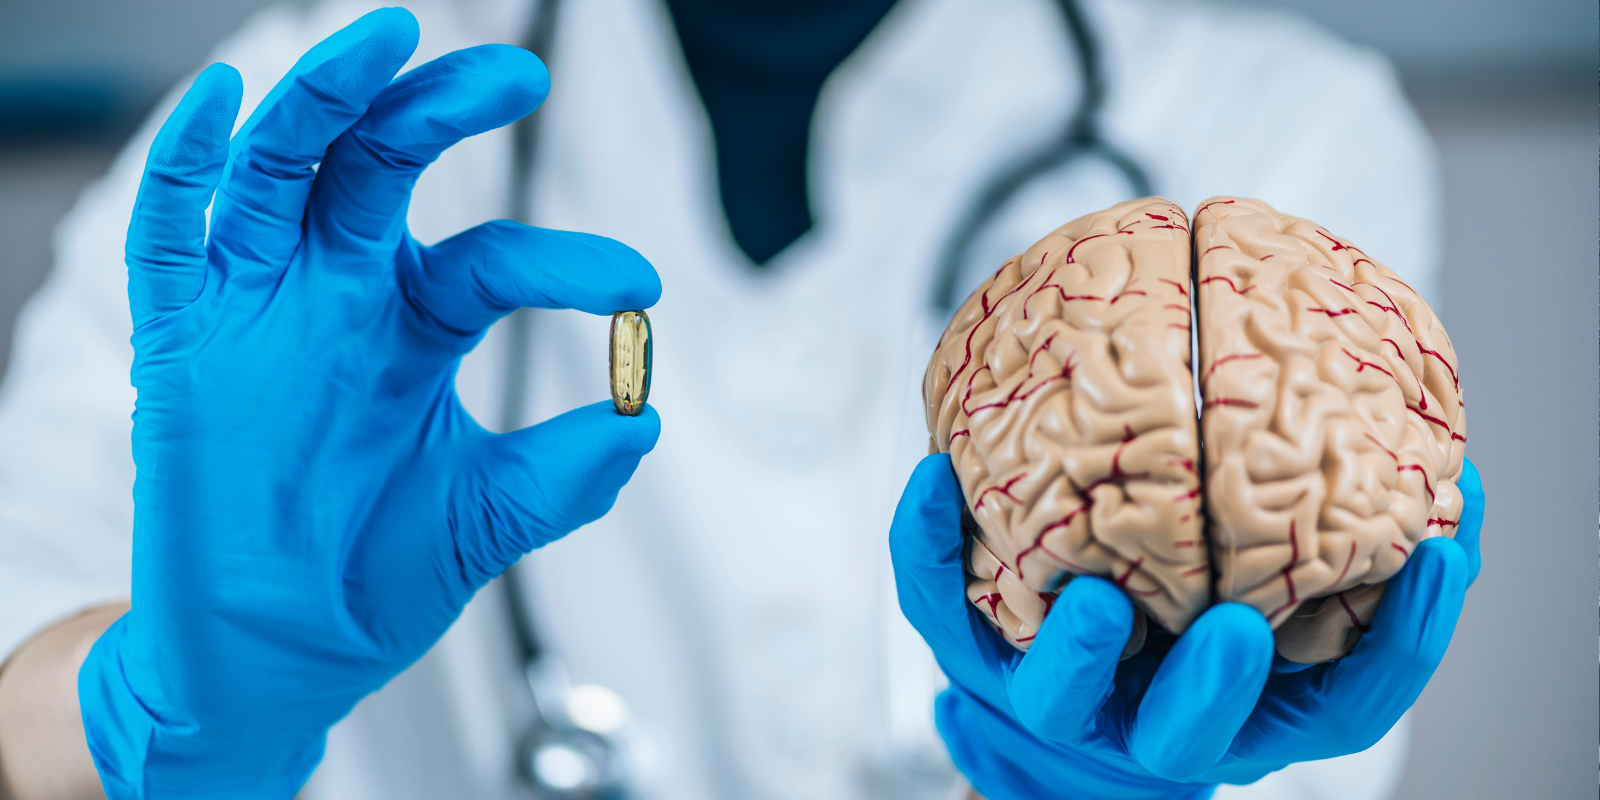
(1330, 418)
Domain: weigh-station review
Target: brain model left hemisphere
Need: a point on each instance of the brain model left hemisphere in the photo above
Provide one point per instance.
(1330, 413)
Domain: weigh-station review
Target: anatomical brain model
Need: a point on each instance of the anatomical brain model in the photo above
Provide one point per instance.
(1330, 432)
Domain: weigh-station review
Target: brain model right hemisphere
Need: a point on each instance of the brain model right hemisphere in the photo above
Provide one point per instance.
(1331, 429)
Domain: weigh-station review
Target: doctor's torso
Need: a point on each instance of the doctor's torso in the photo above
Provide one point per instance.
(738, 596)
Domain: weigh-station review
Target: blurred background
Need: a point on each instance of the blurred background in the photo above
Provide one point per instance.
(1508, 90)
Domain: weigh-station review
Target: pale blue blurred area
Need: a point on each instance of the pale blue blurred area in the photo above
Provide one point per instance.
(139, 48)
(1508, 91)
(1436, 39)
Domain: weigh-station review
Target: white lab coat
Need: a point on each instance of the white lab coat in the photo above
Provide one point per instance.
(739, 596)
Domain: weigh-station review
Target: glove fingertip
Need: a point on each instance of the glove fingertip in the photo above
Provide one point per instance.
(1440, 560)
(644, 429)
(933, 480)
(641, 287)
(554, 477)
(366, 53)
(1088, 625)
(1470, 482)
(1203, 692)
(1375, 684)
(529, 82)
(1246, 623)
(934, 495)
(619, 435)
(925, 548)
(1420, 610)
(227, 80)
(165, 248)
(1441, 565)
(196, 135)
(1470, 527)
(1232, 644)
(394, 29)
(1096, 609)
(1066, 675)
(927, 519)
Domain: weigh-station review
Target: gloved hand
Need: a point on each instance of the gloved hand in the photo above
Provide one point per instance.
(1215, 705)
(313, 506)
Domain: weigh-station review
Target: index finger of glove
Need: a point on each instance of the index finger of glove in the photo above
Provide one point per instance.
(166, 249)
(930, 579)
(470, 280)
(1203, 692)
(262, 203)
(364, 186)
(1065, 678)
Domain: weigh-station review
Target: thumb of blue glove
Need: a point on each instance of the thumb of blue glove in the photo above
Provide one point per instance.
(313, 507)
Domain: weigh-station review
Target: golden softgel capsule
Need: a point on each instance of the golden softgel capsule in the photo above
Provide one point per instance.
(630, 361)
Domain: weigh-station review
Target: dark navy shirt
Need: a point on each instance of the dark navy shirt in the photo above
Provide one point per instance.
(759, 66)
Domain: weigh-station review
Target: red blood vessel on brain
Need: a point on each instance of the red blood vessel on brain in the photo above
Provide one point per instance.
(1330, 413)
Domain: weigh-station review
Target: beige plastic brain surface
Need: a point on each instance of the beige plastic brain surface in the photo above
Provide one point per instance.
(1331, 418)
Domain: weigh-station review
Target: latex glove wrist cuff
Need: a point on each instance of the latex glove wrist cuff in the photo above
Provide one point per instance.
(141, 753)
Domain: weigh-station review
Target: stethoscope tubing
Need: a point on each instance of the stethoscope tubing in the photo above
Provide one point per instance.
(1080, 138)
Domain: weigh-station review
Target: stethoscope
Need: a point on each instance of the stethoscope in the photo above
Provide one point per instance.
(1080, 139)
(572, 749)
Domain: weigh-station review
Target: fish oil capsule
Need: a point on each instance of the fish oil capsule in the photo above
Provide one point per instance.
(630, 361)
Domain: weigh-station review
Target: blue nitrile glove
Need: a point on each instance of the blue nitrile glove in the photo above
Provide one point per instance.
(313, 506)
(1215, 705)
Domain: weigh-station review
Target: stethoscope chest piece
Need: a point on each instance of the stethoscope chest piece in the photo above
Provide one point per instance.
(571, 764)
